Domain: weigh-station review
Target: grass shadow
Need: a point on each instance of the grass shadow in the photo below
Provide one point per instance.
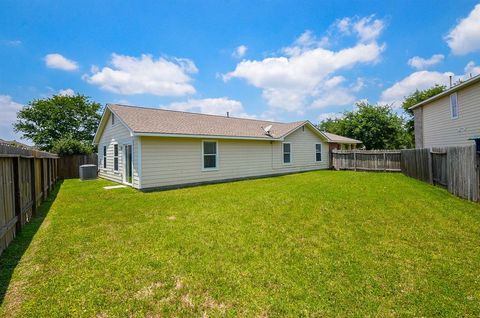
(14, 252)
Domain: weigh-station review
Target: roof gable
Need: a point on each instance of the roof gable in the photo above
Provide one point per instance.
(150, 121)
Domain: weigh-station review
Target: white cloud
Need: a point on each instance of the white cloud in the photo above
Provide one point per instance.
(13, 43)
(60, 62)
(306, 76)
(366, 28)
(325, 116)
(145, 75)
(212, 106)
(240, 51)
(8, 109)
(472, 68)
(465, 36)
(419, 80)
(337, 97)
(66, 92)
(420, 63)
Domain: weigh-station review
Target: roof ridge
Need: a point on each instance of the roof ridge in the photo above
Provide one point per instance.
(211, 115)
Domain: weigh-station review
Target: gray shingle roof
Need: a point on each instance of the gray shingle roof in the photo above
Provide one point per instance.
(169, 122)
(341, 139)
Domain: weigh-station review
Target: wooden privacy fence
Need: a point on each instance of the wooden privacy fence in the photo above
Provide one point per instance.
(456, 168)
(26, 178)
(68, 166)
(366, 160)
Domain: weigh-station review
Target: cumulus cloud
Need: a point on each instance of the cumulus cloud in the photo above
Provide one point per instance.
(472, 68)
(8, 109)
(325, 116)
(417, 80)
(420, 63)
(66, 92)
(130, 75)
(464, 38)
(366, 28)
(60, 62)
(212, 106)
(305, 76)
(240, 51)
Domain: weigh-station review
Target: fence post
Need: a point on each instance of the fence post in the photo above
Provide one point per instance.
(384, 162)
(32, 186)
(354, 160)
(16, 191)
(430, 166)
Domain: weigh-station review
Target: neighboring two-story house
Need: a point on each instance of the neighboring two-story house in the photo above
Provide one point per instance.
(451, 118)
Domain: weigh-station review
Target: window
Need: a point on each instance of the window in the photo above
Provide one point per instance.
(454, 105)
(210, 155)
(113, 119)
(115, 157)
(104, 157)
(287, 149)
(318, 152)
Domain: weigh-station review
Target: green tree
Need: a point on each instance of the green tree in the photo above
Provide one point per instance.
(70, 146)
(415, 98)
(45, 121)
(377, 126)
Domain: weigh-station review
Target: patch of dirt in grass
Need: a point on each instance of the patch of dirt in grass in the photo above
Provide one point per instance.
(172, 218)
(148, 291)
(187, 301)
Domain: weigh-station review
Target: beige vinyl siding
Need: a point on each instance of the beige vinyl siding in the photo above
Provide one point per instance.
(171, 161)
(111, 135)
(439, 129)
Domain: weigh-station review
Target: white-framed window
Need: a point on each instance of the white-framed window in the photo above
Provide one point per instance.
(113, 119)
(104, 157)
(287, 152)
(454, 105)
(318, 152)
(209, 155)
(115, 157)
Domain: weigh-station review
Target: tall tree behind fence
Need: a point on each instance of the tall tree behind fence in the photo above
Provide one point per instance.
(456, 168)
(68, 166)
(26, 178)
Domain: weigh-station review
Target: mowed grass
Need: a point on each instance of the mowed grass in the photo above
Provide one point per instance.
(313, 244)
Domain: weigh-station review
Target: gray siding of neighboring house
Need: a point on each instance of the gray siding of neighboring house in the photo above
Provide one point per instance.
(440, 130)
(168, 161)
(116, 134)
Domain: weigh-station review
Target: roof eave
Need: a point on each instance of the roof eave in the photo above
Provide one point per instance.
(152, 134)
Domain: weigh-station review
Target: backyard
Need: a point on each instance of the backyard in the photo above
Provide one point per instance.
(321, 243)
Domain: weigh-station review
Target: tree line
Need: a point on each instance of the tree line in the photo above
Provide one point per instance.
(380, 126)
(67, 124)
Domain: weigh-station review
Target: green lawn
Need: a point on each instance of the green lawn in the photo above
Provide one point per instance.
(313, 244)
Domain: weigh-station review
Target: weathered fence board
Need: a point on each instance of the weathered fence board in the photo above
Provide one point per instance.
(456, 168)
(366, 160)
(24, 181)
(68, 166)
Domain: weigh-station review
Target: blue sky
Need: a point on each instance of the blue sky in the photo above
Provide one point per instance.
(275, 60)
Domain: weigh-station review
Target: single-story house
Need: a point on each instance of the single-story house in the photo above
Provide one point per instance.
(149, 148)
(451, 118)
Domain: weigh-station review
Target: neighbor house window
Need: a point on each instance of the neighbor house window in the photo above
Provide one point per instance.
(454, 105)
(113, 119)
(287, 152)
(318, 152)
(210, 155)
(115, 157)
(104, 157)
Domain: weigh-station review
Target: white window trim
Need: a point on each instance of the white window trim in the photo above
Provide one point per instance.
(321, 152)
(104, 157)
(124, 160)
(117, 156)
(283, 153)
(451, 106)
(217, 156)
